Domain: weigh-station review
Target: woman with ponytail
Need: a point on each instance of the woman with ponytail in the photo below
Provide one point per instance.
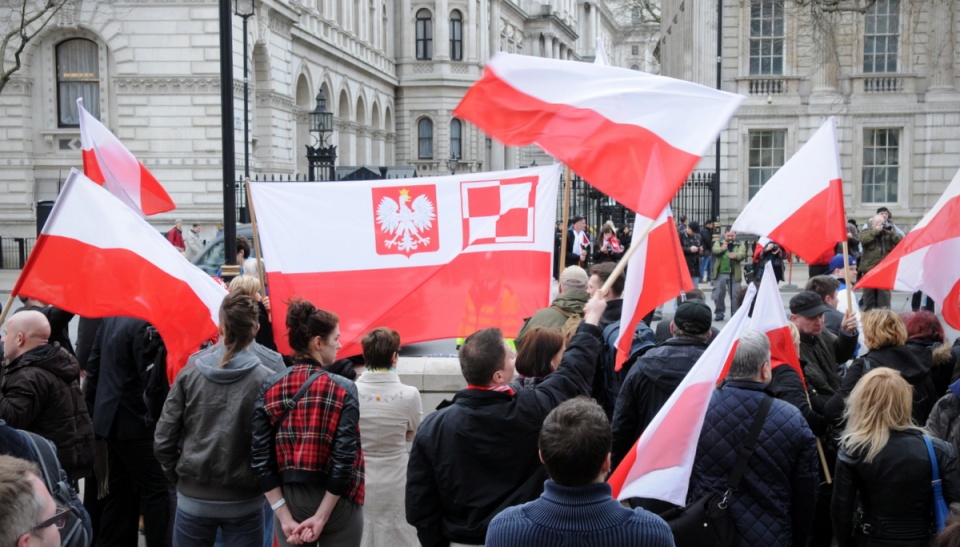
(306, 439)
(203, 437)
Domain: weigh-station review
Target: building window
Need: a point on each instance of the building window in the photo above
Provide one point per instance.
(881, 165)
(78, 75)
(634, 67)
(881, 39)
(766, 156)
(766, 37)
(634, 50)
(425, 139)
(456, 36)
(455, 149)
(635, 15)
(424, 36)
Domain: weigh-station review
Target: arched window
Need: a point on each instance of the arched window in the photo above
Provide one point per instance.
(424, 35)
(456, 36)
(425, 139)
(455, 149)
(78, 75)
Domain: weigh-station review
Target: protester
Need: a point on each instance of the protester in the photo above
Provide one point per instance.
(114, 393)
(203, 437)
(944, 419)
(925, 330)
(706, 250)
(773, 503)
(28, 514)
(769, 251)
(194, 244)
(250, 285)
(59, 321)
(577, 243)
(886, 339)
(656, 375)
(309, 461)
(728, 254)
(175, 236)
(540, 354)
(882, 492)
(826, 287)
(877, 240)
(40, 391)
(457, 482)
(576, 507)
(566, 308)
(607, 247)
(692, 244)
(662, 331)
(389, 416)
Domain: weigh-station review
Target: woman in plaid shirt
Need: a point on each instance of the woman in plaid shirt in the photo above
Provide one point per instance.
(308, 461)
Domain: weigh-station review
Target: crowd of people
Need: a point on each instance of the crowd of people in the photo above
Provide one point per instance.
(247, 446)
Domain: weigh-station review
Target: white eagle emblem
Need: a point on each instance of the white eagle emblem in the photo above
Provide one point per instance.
(405, 223)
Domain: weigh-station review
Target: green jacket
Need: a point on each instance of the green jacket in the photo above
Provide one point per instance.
(570, 302)
(740, 252)
(876, 245)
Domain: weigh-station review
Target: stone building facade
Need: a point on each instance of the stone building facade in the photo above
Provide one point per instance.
(887, 75)
(392, 72)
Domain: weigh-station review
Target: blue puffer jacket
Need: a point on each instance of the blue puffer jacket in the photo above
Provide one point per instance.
(774, 504)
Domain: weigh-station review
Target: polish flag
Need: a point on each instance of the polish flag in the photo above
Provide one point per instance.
(633, 136)
(107, 162)
(801, 206)
(97, 258)
(926, 259)
(656, 273)
(659, 464)
(769, 317)
(433, 258)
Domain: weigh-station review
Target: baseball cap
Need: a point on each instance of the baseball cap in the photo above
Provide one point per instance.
(808, 304)
(837, 262)
(574, 277)
(693, 317)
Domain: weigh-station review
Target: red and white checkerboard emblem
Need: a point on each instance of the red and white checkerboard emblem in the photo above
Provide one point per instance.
(499, 211)
(406, 219)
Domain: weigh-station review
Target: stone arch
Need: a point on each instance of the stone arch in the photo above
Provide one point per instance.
(305, 104)
(391, 139)
(347, 137)
(363, 133)
(377, 133)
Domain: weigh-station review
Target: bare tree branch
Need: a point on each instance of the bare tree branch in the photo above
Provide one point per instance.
(835, 6)
(27, 19)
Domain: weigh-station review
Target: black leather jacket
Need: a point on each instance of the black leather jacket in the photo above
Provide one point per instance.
(891, 498)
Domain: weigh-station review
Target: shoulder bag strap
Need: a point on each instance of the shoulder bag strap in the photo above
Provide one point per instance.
(750, 443)
(933, 460)
(296, 397)
(563, 311)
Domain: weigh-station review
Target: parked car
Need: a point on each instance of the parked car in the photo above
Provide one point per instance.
(211, 258)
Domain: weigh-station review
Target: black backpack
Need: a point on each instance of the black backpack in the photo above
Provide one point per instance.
(77, 532)
(153, 373)
(607, 381)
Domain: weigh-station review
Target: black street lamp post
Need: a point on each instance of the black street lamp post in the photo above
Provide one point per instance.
(230, 267)
(322, 156)
(245, 10)
(452, 164)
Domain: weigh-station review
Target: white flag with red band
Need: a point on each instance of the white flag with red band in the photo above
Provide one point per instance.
(801, 206)
(97, 258)
(433, 258)
(656, 273)
(107, 162)
(659, 464)
(770, 318)
(926, 259)
(634, 136)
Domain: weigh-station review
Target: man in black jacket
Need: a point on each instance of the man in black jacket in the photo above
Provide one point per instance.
(477, 455)
(114, 393)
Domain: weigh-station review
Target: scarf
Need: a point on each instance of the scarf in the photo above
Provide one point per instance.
(503, 389)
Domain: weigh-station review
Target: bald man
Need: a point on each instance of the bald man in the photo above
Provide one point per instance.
(40, 387)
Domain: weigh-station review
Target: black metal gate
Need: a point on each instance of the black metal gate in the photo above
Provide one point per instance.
(698, 198)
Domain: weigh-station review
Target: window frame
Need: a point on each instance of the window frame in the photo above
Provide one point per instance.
(764, 170)
(456, 138)
(766, 42)
(425, 138)
(88, 80)
(424, 35)
(456, 35)
(871, 149)
(880, 62)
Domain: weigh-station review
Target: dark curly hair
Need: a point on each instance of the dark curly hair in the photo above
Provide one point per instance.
(304, 321)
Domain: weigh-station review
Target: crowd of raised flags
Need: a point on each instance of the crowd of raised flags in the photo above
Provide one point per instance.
(481, 255)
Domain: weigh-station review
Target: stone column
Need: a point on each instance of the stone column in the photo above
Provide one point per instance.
(824, 50)
(942, 45)
(441, 31)
(497, 157)
(406, 26)
(494, 26)
(471, 33)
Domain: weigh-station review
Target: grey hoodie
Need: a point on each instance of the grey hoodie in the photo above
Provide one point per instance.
(209, 412)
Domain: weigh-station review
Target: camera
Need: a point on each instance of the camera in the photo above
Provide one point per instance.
(730, 246)
(887, 225)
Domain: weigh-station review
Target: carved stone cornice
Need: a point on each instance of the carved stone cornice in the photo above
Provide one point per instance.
(166, 84)
(275, 98)
(19, 86)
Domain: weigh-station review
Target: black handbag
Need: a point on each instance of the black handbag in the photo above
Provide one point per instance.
(706, 522)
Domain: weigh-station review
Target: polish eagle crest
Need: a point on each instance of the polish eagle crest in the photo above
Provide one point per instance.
(404, 222)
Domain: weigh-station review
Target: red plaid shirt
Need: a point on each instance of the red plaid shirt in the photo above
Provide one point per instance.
(319, 441)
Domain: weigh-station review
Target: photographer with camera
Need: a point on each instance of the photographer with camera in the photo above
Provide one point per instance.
(728, 253)
(877, 240)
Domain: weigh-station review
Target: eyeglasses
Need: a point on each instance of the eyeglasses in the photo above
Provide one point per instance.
(59, 520)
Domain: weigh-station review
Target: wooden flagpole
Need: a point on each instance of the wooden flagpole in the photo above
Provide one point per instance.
(6, 308)
(256, 240)
(562, 253)
(618, 271)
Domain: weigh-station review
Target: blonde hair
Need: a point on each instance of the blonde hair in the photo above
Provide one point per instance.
(794, 335)
(882, 401)
(245, 284)
(609, 226)
(883, 328)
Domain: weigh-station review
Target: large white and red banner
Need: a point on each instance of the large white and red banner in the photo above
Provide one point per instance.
(928, 257)
(107, 162)
(770, 318)
(801, 206)
(633, 136)
(433, 258)
(97, 257)
(656, 273)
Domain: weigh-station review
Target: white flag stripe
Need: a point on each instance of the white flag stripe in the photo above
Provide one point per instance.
(914, 270)
(633, 280)
(549, 80)
(952, 191)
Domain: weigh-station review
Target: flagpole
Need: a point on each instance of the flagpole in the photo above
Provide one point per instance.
(562, 258)
(823, 457)
(846, 276)
(256, 239)
(6, 308)
(626, 257)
